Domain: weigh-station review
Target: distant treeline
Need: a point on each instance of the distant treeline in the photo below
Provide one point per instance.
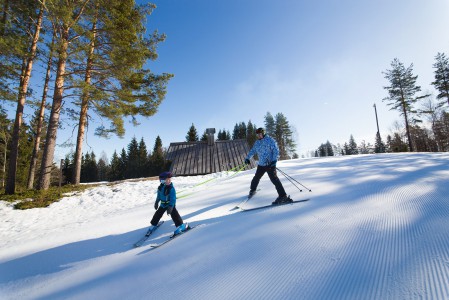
(424, 128)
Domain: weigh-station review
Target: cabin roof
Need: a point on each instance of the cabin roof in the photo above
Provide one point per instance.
(199, 158)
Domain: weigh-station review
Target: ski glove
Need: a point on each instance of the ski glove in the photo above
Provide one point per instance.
(247, 161)
(156, 204)
(169, 210)
(273, 163)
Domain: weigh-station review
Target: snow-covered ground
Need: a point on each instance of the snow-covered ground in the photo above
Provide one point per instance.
(376, 227)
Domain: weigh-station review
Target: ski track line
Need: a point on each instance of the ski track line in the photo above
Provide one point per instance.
(390, 238)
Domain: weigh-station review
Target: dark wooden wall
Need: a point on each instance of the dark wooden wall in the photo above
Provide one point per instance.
(197, 158)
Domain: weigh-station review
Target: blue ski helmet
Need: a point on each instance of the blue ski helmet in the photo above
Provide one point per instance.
(165, 175)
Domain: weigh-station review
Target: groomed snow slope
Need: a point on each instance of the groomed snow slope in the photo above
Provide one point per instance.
(376, 227)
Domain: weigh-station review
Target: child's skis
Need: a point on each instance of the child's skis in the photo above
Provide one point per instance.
(147, 235)
(172, 237)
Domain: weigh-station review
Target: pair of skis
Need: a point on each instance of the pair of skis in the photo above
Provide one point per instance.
(241, 205)
(273, 205)
(150, 232)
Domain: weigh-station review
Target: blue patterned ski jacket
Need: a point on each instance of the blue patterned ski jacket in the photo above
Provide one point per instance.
(166, 194)
(267, 150)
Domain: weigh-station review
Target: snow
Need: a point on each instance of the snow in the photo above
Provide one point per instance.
(375, 228)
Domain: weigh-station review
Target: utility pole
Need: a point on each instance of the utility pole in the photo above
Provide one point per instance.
(377, 122)
(379, 143)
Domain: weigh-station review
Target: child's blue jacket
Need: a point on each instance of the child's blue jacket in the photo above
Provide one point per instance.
(166, 194)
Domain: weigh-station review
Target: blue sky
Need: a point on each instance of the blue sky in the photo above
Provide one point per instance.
(319, 63)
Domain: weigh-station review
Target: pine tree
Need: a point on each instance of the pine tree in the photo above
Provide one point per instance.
(330, 149)
(221, 135)
(402, 92)
(396, 143)
(423, 139)
(321, 151)
(352, 146)
(157, 159)
(325, 149)
(89, 169)
(441, 82)
(41, 125)
(5, 137)
(204, 137)
(379, 146)
(115, 83)
(27, 12)
(346, 150)
(239, 131)
(236, 131)
(227, 135)
(284, 137)
(270, 125)
(224, 135)
(65, 20)
(16, 33)
(123, 163)
(103, 168)
(25, 150)
(441, 131)
(242, 130)
(38, 126)
(251, 136)
(84, 162)
(133, 165)
(192, 135)
(115, 168)
(143, 162)
(67, 168)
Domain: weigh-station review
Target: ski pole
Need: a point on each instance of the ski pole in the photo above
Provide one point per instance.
(240, 168)
(291, 178)
(233, 169)
(292, 182)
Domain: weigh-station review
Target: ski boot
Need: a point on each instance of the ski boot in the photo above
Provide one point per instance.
(251, 193)
(282, 200)
(181, 228)
(150, 230)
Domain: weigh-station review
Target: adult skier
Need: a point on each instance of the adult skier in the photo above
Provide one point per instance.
(166, 195)
(268, 153)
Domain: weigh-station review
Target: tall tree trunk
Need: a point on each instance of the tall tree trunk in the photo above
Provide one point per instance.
(4, 159)
(58, 95)
(83, 112)
(40, 122)
(13, 156)
(407, 128)
(53, 123)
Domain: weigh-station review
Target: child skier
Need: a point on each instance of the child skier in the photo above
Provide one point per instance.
(166, 195)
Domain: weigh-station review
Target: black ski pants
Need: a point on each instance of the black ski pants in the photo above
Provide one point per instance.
(174, 216)
(273, 177)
